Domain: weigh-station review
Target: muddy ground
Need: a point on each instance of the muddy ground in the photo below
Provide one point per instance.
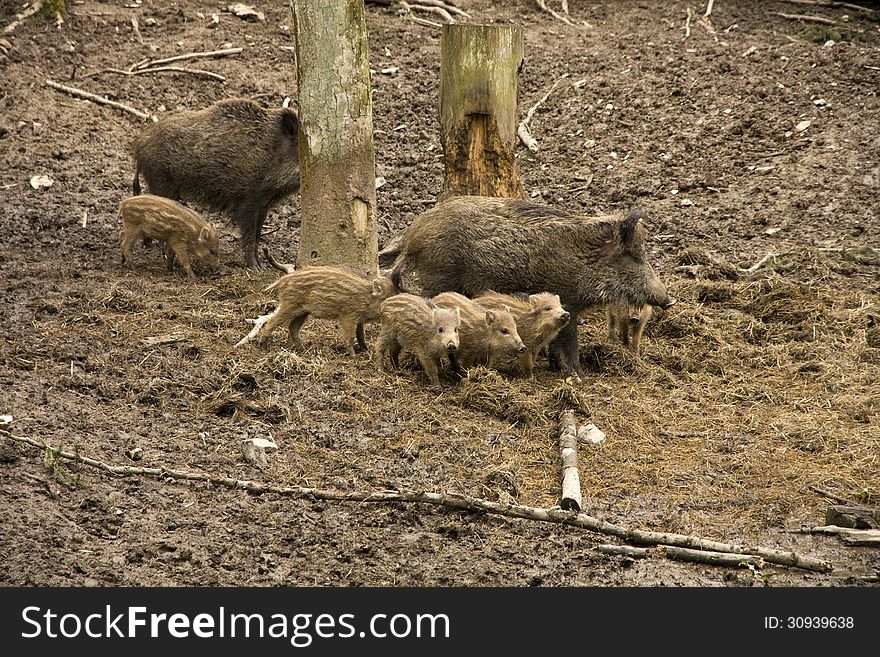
(741, 136)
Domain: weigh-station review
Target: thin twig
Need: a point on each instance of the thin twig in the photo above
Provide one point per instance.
(687, 23)
(832, 496)
(763, 261)
(79, 93)
(523, 129)
(709, 8)
(440, 11)
(830, 3)
(456, 501)
(806, 19)
(163, 69)
(23, 16)
(192, 55)
(425, 21)
(543, 5)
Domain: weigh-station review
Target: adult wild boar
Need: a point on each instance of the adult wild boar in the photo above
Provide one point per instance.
(233, 156)
(469, 244)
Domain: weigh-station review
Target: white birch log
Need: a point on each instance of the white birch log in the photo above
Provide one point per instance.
(571, 479)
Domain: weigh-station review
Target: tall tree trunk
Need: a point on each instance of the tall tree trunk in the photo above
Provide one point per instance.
(337, 158)
(478, 109)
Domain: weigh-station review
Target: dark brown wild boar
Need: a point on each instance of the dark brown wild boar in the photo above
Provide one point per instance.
(539, 318)
(233, 156)
(485, 334)
(469, 244)
(334, 293)
(183, 233)
(627, 323)
(414, 324)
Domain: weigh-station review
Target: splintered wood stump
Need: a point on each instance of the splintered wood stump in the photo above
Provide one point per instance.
(571, 478)
(479, 65)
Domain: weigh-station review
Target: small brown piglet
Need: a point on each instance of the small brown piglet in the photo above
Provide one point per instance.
(184, 234)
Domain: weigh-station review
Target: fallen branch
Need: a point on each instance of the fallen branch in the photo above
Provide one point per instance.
(709, 8)
(850, 537)
(23, 16)
(626, 551)
(163, 69)
(571, 478)
(711, 557)
(440, 11)
(454, 501)
(523, 130)
(804, 18)
(687, 23)
(424, 21)
(446, 6)
(830, 3)
(543, 5)
(192, 55)
(684, 554)
(763, 261)
(79, 93)
(832, 496)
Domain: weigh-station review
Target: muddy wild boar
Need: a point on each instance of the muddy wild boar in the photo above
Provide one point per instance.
(415, 324)
(539, 318)
(469, 244)
(485, 334)
(324, 292)
(233, 157)
(182, 232)
(627, 323)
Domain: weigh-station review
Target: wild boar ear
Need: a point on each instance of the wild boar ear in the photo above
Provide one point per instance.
(204, 234)
(628, 226)
(490, 317)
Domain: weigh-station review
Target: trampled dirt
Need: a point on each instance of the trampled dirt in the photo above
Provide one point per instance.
(745, 135)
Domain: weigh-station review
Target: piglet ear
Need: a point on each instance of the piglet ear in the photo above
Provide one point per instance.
(204, 234)
(628, 226)
(490, 317)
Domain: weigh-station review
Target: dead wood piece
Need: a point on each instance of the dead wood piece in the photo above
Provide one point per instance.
(763, 261)
(687, 23)
(192, 55)
(446, 6)
(523, 129)
(427, 9)
(79, 93)
(543, 5)
(709, 8)
(571, 479)
(23, 16)
(164, 69)
(258, 326)
(853, 517)
(832, 496)
(804, 18)
(831, 3)
(456, 501)
(711, 557)
(848, 536)
(423, 21)
(626, 551)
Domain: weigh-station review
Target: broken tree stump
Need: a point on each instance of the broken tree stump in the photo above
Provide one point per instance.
(479, 65)
(571, 479)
